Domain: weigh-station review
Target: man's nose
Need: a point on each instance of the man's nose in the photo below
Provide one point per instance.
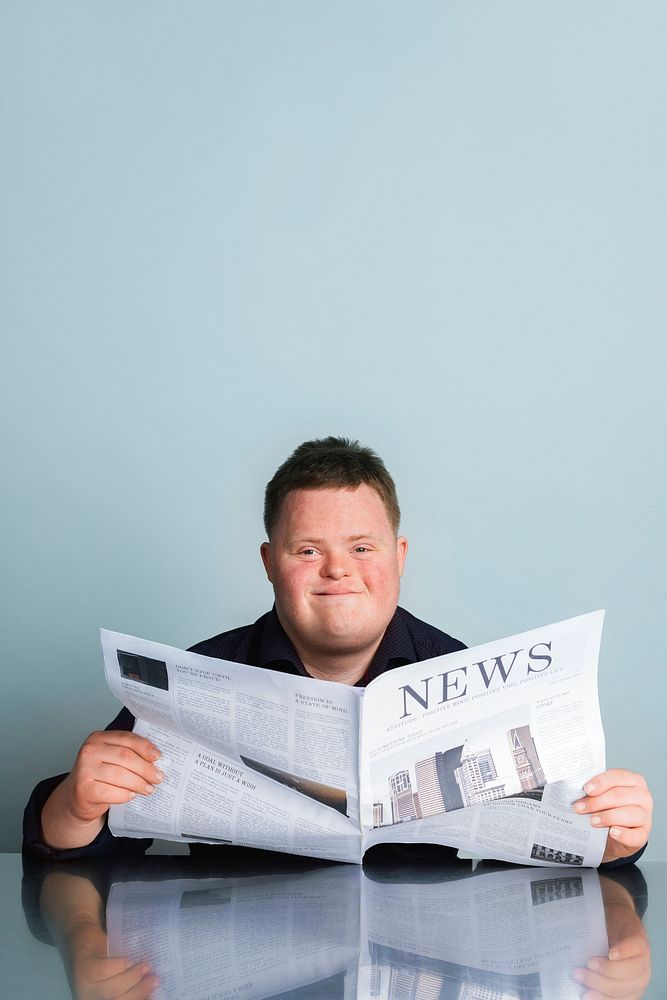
(335, 565)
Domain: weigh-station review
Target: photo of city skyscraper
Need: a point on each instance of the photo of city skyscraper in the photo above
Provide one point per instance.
(502, 763)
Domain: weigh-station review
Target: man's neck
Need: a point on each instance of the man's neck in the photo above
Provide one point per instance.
(345, 668)
(326, 665)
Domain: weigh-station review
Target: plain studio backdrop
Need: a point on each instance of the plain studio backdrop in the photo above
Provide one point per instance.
(227, 227)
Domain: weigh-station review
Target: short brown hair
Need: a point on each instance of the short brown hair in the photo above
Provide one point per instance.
(330, 463)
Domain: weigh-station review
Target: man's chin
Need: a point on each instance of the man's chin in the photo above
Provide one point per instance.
(344, 637)
(337, 629)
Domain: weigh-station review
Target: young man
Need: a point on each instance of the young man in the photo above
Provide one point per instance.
(335, 559)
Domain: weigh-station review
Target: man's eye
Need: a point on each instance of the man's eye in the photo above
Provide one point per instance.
(362, 548)
(307, 552)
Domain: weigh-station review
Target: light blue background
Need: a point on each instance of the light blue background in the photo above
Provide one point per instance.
(228, 227)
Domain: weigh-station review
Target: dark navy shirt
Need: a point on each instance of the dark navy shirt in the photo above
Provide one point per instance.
(266, 644)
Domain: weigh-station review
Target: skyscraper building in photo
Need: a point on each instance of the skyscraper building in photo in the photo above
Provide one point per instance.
(428, 787)
(525, 757)
(402, 801)
(407, 983)
(437, 786)
(478, 778)
(446, 764)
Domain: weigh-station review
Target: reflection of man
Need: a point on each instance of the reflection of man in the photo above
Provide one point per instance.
(64, 906)
(335, 559)
(71, 908)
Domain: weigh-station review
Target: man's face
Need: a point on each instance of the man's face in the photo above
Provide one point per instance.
(335, 565)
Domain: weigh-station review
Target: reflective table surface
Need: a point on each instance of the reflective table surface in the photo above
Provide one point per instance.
(258, 926)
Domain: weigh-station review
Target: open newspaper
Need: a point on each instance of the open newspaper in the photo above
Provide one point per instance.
(483, 750)
(504, 935)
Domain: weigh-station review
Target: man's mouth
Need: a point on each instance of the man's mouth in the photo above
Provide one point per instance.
(336, 593)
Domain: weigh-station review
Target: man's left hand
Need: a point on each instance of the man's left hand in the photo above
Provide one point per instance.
(621, 801)
(625, 971)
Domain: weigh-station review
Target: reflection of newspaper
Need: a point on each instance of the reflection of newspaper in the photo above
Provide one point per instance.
(503, 934)
(486, 749)
(483, 750)
(250, 756)
(336, 932)
(250, 937)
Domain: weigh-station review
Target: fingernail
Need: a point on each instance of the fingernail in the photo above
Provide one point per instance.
(579, 806)
(589, 787)
(155, 754)
(614, 954)
(578, 974)
(149, 789)
(615, 832)
(595, 821)
(158, 774)
(593, 964)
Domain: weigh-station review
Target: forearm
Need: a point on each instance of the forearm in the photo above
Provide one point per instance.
(69, 905)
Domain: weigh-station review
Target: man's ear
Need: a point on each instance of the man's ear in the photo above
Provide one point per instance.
(265, 553)
(401, 552)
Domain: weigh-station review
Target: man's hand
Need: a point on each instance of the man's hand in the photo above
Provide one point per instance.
(93, 976)
(72, 910)
(625, 972)
(621, 801)
(111, 768)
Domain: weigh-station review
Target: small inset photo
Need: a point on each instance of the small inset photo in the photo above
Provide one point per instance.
(335, 798)
(550, 890)
(143, 669)
(542, 853)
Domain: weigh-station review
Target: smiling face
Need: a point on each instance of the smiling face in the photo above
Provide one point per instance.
(335, 565)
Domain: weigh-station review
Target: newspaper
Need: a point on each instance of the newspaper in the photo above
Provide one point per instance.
(250, 756)
(513, 933)
(484, 750)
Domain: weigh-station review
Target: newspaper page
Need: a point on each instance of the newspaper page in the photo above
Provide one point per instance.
(250, 756)
(486, 749)
(514, 933)
(253, 937)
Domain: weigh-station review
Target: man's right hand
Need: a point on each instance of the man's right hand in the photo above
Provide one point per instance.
(111, 768)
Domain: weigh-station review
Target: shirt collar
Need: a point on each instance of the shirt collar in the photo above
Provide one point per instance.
(275, 645)
(395, 650)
